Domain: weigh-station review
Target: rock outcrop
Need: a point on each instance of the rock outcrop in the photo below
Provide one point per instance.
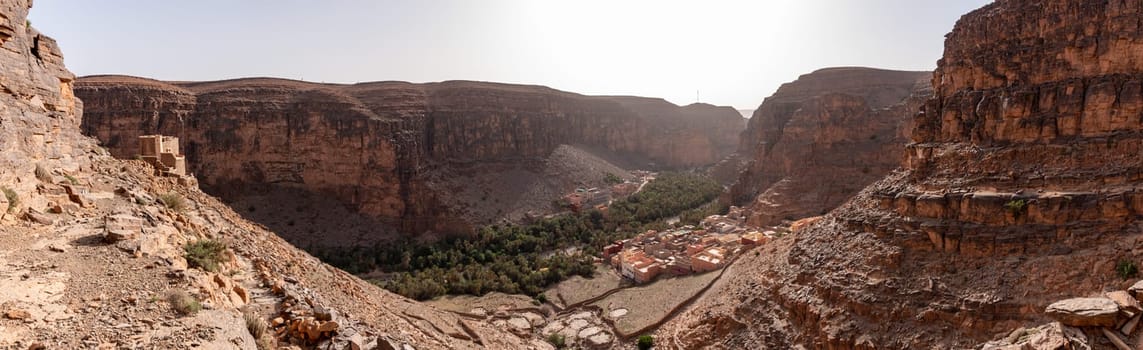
(820, 139)
(1021, 187)
(89, 246)
(374, 146)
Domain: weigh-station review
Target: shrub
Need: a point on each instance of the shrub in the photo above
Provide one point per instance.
(13, 198)
(258, 329)
(43, 174)
(183, 302)
(71, 179)
(173, 201)
(557, 340)
(612, 179)
(1126, 269)
(1017, 207)
(205, 254)
(645, 342)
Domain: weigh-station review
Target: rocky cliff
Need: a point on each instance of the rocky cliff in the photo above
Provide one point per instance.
(820, 139)
(92, 248)
(1021, 187)
(375, 146)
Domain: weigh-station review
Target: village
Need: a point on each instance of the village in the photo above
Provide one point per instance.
(686, 250)
(598, 198)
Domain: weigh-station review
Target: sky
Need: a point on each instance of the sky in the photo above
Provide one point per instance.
(731, 53)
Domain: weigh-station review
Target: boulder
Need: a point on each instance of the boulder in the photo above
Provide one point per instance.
(1084, 312)
(121, 227)
(1127, 304)
(1052, 336)
(16, 314)
(1136, 290)
(36, 217)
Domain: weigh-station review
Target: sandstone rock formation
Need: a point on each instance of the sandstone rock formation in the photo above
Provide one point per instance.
(1021, 187)
(87, 250)
(375, 146)
(822, 138)
(1084, 312)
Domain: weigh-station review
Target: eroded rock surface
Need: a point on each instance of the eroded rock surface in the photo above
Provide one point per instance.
(1021, 188)
(93, 266)
(822, 138)
(377, 146)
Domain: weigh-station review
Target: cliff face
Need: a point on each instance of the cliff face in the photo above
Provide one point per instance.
(1022, 187)
(822, 138)
(39, 107)
(374, 145)
(84, 240)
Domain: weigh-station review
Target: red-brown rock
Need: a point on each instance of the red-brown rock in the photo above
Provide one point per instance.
(1019, 188)
(375, 146)
(822, 138)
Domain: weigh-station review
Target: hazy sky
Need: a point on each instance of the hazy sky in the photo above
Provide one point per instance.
(731, 52)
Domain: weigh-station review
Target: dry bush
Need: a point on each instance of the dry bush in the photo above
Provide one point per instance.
(173, 201)
(258, 329)
(43, 174)
(183, 302)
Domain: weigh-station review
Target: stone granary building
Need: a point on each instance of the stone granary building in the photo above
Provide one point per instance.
(162, 152)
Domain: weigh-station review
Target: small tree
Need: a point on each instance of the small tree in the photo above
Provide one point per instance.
(612, 179)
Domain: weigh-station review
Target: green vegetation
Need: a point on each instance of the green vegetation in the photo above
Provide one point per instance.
(696, 215)
(1126, 269)
(612, 179)
(1017, 207)
(183, 302)
(71, 179)
(557, 340)
(522, 259)
(205, 254)
(173, 201)
(13, 198)
(645, 342)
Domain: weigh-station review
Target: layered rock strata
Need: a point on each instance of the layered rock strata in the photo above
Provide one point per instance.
(1022, 186)
(90, 257)
(374, 146)
(820, 139)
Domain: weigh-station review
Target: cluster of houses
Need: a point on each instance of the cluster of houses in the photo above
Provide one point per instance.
(685, 250)
(599, 198)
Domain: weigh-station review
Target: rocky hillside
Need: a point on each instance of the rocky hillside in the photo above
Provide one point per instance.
(1022, 187)
(377, 146)
(92, 248)
(822, 138)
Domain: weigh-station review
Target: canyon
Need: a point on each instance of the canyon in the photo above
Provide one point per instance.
(1020, 187)
(412, 158)
(92, 248)
(919, 209)
(822, 138)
